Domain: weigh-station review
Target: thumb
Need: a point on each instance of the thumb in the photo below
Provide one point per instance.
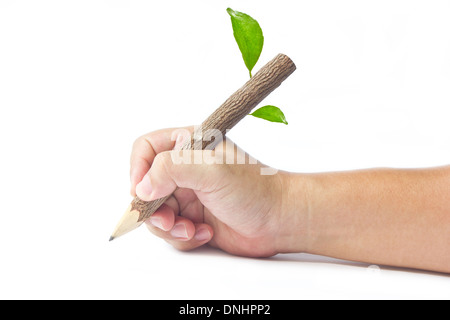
(184, 169)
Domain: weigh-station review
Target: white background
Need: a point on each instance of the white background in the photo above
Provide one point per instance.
(80, 80)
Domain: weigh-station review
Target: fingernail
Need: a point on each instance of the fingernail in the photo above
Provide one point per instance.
(179, 231)
(144, 188)
(133, 175)
(202, 234)
(133, 183)
(157, 222)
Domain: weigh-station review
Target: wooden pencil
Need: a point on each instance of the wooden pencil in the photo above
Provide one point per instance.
(236, 107)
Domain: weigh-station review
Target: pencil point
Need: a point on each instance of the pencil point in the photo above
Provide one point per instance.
(111, 239)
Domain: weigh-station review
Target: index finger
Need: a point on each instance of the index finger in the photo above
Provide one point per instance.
(147, 146)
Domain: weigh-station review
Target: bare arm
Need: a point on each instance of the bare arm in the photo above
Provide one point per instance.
(381, 216)
(392, 217)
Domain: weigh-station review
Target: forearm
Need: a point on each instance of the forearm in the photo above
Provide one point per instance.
(380, 216)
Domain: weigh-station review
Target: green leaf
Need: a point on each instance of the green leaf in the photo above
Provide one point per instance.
(249, 37)
(270, 113)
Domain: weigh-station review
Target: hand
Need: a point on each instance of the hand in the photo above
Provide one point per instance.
(385, 216)
(229, 206)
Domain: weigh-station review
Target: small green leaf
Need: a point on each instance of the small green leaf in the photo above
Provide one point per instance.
(249, 37)
(270, 113)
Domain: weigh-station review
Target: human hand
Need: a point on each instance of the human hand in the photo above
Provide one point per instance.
(384, 216)
(230, 206)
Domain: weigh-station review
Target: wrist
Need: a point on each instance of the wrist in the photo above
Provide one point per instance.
(295, 213)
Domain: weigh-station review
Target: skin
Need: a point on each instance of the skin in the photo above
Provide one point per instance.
(392, 217)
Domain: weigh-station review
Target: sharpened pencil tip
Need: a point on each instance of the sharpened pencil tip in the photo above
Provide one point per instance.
(111, 238)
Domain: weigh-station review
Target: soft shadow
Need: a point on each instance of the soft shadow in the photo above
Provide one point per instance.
(311, 258)
(207, 251)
